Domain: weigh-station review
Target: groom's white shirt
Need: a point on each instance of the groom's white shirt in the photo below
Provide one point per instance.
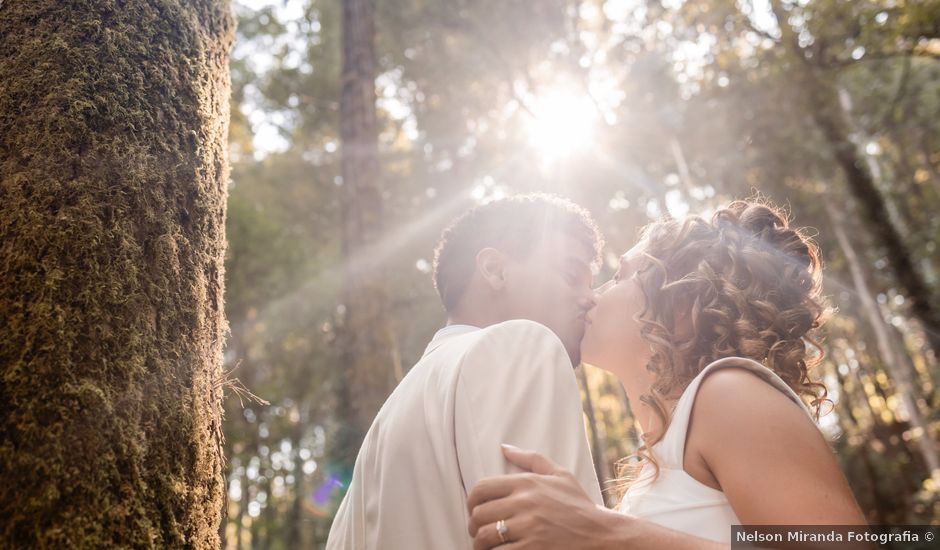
(440, 432)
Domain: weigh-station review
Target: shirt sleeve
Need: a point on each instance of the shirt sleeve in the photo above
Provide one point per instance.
(517, 386)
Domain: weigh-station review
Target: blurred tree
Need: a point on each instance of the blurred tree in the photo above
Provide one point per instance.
(816, 88)
(890, 354)
(808, 53)
(113, 170)
(369, 357)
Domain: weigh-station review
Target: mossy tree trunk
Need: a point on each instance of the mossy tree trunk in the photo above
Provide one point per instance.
(113, 172)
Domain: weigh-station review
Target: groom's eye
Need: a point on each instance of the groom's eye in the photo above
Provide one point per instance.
(576, 273)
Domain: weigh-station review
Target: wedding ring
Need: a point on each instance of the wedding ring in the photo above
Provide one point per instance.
(502, 530)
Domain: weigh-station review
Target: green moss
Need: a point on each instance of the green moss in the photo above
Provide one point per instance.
(113, 119)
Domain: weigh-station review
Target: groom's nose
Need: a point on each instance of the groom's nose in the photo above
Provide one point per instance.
(602, 289)
(587, 301)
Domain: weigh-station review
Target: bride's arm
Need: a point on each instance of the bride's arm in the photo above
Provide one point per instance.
(769, 458)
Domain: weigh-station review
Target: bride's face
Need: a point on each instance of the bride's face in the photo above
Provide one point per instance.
(612, 340)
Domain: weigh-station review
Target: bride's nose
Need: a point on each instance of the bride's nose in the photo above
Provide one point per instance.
(587, 301)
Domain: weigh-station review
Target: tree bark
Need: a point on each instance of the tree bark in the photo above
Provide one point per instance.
(368, 348)
(113, 176)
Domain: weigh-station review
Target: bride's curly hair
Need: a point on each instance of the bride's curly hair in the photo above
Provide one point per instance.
(751, 285)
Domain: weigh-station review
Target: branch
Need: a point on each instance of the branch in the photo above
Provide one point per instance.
(225, 380)
(879, 56)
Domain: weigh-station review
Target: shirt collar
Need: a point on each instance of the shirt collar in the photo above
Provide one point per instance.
(446, 333)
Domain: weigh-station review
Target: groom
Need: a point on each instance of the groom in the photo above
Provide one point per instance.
(514, 276)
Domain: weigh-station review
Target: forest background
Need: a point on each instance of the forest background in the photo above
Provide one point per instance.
(633, 109)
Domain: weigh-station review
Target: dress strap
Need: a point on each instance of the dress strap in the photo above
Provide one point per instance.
(671, 449)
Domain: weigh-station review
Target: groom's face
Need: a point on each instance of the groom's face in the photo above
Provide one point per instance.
(552, 286)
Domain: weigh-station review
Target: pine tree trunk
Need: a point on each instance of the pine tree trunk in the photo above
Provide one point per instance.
(368, 347)
(113, 172)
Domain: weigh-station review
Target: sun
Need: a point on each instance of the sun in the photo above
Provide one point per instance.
(562, 123)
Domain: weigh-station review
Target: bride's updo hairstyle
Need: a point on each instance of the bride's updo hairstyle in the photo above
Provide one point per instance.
(751, 286)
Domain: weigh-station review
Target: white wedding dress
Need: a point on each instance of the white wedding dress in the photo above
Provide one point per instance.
(675, 499)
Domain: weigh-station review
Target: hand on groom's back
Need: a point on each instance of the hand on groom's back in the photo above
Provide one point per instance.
(544, 508)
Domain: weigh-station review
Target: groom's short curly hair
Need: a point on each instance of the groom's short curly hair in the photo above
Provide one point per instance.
(514, 225)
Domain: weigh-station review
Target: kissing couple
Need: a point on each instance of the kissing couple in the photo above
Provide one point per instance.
(706, 323)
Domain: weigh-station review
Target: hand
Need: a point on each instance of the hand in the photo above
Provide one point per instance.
(545, 508)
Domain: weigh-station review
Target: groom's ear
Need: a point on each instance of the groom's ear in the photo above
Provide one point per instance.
(491, 264)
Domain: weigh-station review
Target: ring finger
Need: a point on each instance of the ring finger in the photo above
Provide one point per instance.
(488, 537)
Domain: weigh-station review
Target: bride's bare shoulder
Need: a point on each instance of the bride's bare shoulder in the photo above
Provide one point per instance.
(742, 399)
(736, 412)
(757, 442)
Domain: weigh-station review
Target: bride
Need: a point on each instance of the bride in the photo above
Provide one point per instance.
(706, 324)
